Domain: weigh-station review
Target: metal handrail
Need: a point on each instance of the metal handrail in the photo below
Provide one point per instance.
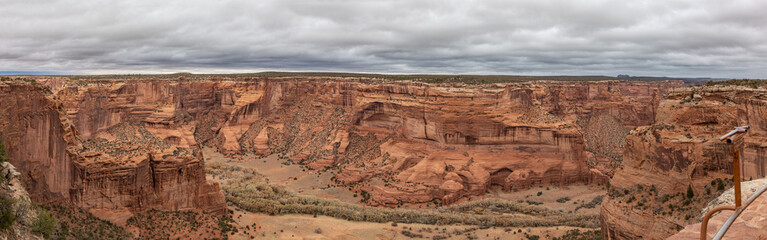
(734, 137)
(704, 224)
(726, 225)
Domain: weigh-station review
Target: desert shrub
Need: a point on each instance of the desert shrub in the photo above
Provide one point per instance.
(438, 237)
(532, 237)
(410, 234)
(3, 157)
(45, 224)
(576, 234)
(563, 200)
(365, 196)
(318, 230)
(532, 202)
(157, 224)
(76, 223)
(7, 218)
(752, 83)
(665, 198)
(690, 194)
(592, 204)
(252, 193)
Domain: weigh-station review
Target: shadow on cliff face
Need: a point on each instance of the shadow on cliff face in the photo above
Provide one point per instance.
(672, 168)
(375, 131)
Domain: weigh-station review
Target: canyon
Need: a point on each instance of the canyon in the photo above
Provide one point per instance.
(139, 143)
(399, 142)
(681, 150)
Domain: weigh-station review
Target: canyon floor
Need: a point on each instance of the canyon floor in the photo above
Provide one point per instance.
(352, 156)
(306, 227)
(302, 226)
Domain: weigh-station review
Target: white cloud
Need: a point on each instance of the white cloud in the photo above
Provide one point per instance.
(671, 38)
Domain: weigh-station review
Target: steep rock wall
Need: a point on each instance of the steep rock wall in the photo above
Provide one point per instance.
(682, 150)
(425, 142)
(55, 165)
(38, 140)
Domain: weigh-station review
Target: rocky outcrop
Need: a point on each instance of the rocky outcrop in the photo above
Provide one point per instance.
(418, 142)
(39, 140)
(680, 151)
(15, 199)
(107, 172)
(127, 167)
(749, 224)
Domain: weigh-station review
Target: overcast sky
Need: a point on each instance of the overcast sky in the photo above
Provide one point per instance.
(564, 37)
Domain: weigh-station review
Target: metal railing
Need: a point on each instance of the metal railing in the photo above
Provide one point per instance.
(734, 137)
(726, 225)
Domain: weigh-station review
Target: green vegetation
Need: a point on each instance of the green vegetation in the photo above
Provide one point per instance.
(7, 218)
(76, 223)
(690, 194)
(365, 196)
(250, 191)
(426, 78)
(157, 224)
(3, 157)
(752, 83)
(532, 237)
(576, 234)
(45, 224)
(719, 184)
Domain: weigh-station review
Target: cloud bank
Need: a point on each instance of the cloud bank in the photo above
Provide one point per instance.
(559, 37)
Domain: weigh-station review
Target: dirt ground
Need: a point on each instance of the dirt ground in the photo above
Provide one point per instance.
(322, 227)
(578, 194)
(293, 177)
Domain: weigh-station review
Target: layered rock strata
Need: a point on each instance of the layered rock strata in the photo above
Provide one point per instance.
(106, 173)
(681, 151)
(402, 142)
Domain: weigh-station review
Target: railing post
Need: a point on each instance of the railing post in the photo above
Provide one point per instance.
(734, 137)
(704, 223)
(736, 173)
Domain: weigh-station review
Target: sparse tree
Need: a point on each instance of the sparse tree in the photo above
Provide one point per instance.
(690, 194)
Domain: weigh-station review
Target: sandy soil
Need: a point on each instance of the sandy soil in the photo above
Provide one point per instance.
(293, 177)
(578, 194)
(305, 227)
(296, 179)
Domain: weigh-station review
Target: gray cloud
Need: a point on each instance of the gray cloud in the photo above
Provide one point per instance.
(573, 37)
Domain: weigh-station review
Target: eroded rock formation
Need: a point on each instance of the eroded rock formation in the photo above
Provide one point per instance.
(399, 141)
(749, 224)
(680, 151)
(109, 171)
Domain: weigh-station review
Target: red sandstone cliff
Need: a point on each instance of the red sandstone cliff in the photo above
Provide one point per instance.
(56, 166)
(681, 149)
(418, 142)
